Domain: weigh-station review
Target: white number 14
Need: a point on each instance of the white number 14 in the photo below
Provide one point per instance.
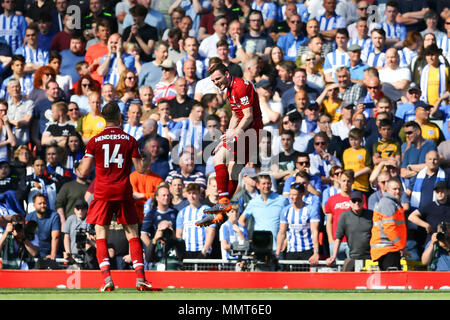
(116, 157)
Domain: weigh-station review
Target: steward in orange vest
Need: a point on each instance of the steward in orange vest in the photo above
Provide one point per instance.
(389, 233)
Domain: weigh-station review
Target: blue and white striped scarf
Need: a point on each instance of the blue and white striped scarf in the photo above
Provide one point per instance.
(417, 188)
(424, 81)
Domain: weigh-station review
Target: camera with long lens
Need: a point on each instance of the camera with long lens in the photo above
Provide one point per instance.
(442, 234)
(167, 234)
(257, 254)
(29, 229)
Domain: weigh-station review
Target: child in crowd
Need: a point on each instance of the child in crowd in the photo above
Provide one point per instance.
(358, 159)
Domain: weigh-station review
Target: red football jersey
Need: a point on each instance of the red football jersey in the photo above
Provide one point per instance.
(242, 95)
(113, 150)
(336, 205)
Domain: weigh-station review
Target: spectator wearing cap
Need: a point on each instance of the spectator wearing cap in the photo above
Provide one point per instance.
(356, 65)
(430, 130)
(394, 77)
(406, 110)
(356, 225)
(431, 215)
(343, 126)
(141, 33)
(165, 88)
(76, 223)
(300, 223)
(434, 76)
(291, 41)
(271, 111)
(309, 123)
(208, 46)
(8, 180)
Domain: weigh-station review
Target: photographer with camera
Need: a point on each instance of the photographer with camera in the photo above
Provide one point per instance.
(436, 255)
(165, 251)
(17, 245)
(79, 243)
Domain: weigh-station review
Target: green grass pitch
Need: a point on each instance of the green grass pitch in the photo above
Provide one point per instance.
(221, 294)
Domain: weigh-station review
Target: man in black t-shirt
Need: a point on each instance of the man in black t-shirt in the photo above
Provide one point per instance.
(181, 105)
(141, 34)
(283, 164)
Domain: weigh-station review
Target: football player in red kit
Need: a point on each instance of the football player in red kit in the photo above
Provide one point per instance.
(114, 152)
(239, 143)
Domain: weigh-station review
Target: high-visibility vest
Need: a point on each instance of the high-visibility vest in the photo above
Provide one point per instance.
(389, 233)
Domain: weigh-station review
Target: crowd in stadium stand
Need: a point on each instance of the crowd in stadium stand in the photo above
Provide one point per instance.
(353, 94)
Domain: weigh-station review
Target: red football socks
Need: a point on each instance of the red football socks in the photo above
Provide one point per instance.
(137, 258)
(103, 259)
(222, 179)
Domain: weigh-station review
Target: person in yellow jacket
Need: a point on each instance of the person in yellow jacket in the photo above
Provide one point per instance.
(389, 233)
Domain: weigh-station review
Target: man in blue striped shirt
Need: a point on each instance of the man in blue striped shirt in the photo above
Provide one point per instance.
(300, 223)
(133, 126)
(198, 239)
(12, 26)
(330, 22)
(35, 56)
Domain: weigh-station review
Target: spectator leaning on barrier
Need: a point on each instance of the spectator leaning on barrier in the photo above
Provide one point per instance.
(356, 225)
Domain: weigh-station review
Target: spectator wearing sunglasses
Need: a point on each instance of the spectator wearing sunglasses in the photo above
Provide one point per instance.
(356, 225)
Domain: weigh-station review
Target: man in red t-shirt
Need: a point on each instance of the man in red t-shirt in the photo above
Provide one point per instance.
(335, 206)
(114, 152)
(239, 143)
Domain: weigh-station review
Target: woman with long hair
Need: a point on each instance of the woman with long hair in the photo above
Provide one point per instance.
(73, 152)
(127, 87)
(42, 76)
(275, 58)
(81, 93)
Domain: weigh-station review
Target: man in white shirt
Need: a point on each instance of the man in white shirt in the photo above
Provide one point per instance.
(208, 46)
(342, 127)
(395, 80)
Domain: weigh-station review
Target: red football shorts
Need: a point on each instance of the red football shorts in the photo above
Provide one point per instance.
(101, 212)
